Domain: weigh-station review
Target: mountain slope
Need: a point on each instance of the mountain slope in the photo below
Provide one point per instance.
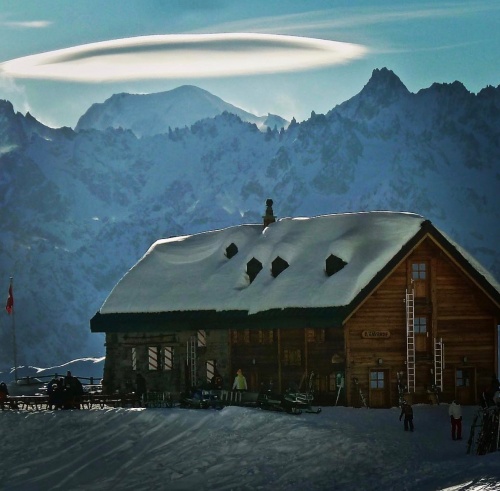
(152, 114)
(78, 209)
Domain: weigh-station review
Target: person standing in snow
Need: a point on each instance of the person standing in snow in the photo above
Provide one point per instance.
(140, 386)
(240, 382)
(51, 390)
(455, 412)
(69, 391)
(216, 380)
(407, 412)
(4, 392)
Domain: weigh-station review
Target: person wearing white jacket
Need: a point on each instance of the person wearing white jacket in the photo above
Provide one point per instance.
(455, 412)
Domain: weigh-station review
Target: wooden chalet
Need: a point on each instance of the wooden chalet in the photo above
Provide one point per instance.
(366, 301)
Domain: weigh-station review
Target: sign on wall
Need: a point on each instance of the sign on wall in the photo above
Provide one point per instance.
(368, 334)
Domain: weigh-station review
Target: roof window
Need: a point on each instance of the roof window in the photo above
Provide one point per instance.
(278, 266)
(334, 264)
(231, 250)
(253, 268)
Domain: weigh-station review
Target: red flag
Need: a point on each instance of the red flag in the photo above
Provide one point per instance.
(10, 301)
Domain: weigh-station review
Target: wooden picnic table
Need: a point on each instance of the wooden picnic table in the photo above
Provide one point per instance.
(86, 401)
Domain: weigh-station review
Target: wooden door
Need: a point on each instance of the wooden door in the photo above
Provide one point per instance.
(253, 381)
(379, 395)
(465, 385)
(419, 278)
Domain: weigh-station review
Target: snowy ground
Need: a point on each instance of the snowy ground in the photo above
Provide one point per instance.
(238, 449)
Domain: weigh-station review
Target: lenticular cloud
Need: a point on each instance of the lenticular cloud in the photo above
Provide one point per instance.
(183, 55)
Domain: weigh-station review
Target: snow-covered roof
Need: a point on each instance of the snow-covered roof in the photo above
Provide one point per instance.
(193, 273)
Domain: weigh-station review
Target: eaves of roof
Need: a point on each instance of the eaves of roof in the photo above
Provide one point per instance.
(288, 318)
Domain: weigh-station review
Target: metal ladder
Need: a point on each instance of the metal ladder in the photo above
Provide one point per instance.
(438, 363)
(191, 357)
(410, 340)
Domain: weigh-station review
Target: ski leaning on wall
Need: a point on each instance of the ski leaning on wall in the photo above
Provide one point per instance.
(361, 395)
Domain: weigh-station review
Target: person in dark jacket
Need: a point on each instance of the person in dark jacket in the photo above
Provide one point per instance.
(73, 392)
(216, 380)
(140, 386)
(52, 388)
(407, 412)
(4, 393)
(57, 396)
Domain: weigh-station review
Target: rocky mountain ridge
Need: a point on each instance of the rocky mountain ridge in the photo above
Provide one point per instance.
(79, 208)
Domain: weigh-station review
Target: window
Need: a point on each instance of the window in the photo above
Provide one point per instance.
(335, 382)
(278, 266)
(420, 325)
(315, 335)
(292, 357)
(333, 264)
(210, 370)
(168, 358)
(266, 337)
(376, 380)
(332, 382)
(231, 250)
(246, 336)
(418, 271)
(134, 358)
(202, 339)
(253, 268)
(153, 358)
(240, 336)
(160, 358)
(463, 378)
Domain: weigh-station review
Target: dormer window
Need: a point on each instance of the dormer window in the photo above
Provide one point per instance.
(253, 268)
(334, 264)
(278, 266)
(231, 250)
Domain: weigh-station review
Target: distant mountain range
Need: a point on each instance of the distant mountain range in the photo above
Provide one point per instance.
(154, 114)
(79, 207)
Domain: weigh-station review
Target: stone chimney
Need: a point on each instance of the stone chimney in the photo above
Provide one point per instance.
(269, 216)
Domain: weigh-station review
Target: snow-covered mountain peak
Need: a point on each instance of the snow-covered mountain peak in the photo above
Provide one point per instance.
(153, 114)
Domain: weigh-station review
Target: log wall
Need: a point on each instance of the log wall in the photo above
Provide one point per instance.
(457, 311)
(371, 347)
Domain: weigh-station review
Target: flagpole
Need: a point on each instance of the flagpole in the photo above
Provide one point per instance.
(13, 330)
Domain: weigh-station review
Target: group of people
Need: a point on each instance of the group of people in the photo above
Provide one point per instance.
(239, 384)
(454, 411)
(65, 392)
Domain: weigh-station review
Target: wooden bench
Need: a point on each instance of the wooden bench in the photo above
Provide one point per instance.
(28, 402)
(111, 400)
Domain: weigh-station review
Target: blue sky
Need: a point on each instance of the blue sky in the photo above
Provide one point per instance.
(422, 42)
